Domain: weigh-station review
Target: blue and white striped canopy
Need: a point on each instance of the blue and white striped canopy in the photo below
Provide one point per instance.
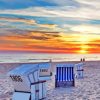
(65, 72)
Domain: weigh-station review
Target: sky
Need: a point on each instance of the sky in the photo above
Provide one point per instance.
(50, 26)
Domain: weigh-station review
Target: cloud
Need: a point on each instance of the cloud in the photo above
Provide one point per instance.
(29, 41)
(91, 3)
(43, 35)
(28, 35)
(82, 28)
(83, 12)
(51, 26)
(30, 22)
(12, 32)
(27, 24)
(94, 29)
(71, 21)
(46, 42)
(62, 2)
(53, 47)
(83, 9)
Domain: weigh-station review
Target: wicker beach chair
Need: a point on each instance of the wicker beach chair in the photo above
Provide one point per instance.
(64, 75)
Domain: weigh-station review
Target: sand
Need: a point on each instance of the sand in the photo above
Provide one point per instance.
(87, 88)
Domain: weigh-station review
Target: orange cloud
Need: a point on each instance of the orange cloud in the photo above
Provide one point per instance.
(52, 26)
(49, 42)
(18, 20)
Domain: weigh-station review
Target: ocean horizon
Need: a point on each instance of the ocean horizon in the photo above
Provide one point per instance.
(44, 57)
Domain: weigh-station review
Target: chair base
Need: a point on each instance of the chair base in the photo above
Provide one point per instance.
(64, 84)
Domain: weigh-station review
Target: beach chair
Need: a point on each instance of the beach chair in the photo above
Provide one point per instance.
(44, 71)
(79, 68)
(27, 85)
(64, 75)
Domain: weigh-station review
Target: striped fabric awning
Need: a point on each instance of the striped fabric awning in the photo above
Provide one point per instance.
(65, 73)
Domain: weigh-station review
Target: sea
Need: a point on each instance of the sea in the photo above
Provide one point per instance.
(44, 57)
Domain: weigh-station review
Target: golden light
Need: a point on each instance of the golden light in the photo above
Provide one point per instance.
(77, 38)
(86, 28)
(83, 39)
(83, 49)
(82, 52)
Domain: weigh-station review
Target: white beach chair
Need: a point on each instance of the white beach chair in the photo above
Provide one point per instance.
(27, 82)
(79, 69)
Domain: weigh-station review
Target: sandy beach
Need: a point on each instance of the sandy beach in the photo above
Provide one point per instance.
(87, 88)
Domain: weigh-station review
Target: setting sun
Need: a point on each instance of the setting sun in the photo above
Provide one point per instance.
(82, 52)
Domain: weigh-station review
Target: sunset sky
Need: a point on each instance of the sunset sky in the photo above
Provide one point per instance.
(50, 26)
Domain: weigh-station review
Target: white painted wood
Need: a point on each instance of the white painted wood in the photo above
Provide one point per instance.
(21, 96)
(33, 95)
(44, 90)
(40, 91)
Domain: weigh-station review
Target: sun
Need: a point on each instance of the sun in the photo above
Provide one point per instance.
(83, 52)
(79, 41)
(83, 49)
